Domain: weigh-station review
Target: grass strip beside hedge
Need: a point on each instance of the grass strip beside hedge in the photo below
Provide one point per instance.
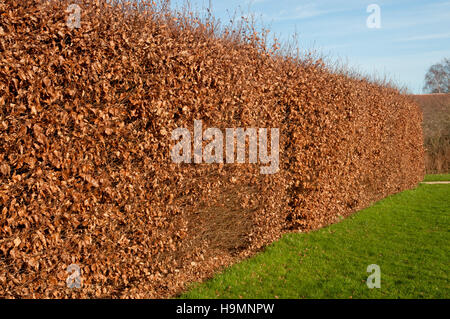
(406, 234)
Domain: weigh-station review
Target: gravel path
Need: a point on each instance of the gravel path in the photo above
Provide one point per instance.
(442, 182)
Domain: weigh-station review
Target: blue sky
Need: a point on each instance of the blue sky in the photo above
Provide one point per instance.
(413, 34)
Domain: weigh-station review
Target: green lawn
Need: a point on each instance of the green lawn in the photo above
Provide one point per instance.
(406, 234)
(437, 178)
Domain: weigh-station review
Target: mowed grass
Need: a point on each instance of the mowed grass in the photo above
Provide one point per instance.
(406, 234)
(437, 178)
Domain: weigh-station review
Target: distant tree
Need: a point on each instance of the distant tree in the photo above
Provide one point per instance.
(437, 79)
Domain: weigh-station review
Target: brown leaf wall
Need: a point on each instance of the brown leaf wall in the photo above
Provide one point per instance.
(86, 175)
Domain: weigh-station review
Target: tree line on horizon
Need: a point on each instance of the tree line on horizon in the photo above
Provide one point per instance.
(437, 78)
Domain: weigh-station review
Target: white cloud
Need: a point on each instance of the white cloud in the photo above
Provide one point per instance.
(425, 37)
(300, 12)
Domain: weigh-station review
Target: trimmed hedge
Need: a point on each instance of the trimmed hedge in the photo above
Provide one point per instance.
(86, 177)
